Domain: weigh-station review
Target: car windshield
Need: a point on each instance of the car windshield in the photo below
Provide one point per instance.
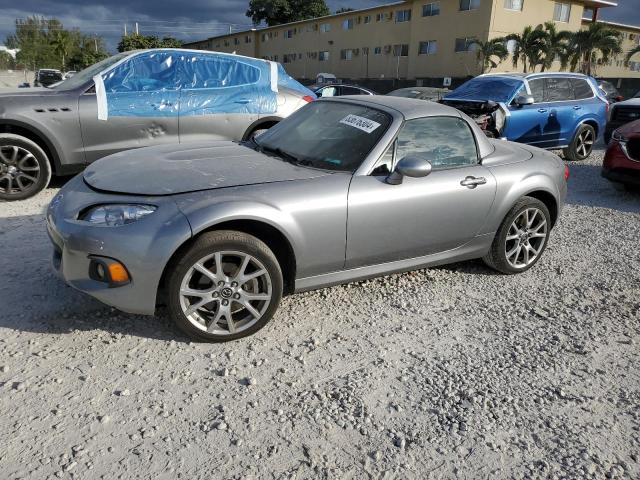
(405, 93)
(497, 89)
(328, 135)
(82, 77)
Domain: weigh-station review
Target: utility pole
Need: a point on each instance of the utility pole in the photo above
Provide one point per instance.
(125, 29)
(95, 42)
(137, 28)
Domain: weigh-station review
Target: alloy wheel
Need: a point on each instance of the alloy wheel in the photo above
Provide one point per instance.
(225, 292)
(584, 145)
(526, 238)
(19, 170)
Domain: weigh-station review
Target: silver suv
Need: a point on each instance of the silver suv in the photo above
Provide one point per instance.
(137, 99)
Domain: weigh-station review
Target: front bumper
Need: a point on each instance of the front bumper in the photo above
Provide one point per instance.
(144, 247)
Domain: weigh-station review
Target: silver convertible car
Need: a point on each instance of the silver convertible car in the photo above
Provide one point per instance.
(344, 189)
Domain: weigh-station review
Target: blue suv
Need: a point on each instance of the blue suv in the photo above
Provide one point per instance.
(546, 110)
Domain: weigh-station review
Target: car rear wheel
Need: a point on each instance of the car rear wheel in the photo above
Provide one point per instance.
(582, 144)
(24, 168)
(522, 237)
(226, 286)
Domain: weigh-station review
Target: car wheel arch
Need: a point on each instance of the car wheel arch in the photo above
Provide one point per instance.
(36, 136)
(271, 235)
(263, 123)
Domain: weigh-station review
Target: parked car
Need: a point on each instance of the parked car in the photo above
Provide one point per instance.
(547, 110)
(69, 74)
(612, 94)
(340, 89)
(24, 85)
(622, 113)
(46, 77)
(221, 230)
(143, 98)
(433, 94)
(622, 160)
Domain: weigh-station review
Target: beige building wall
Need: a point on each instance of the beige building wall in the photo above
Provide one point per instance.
(369, 49)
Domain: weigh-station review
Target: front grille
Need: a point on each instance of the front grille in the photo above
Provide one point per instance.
(626, 114)
(633, 147)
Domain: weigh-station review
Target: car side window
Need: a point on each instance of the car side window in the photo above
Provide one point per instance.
(150, 72)
(446, 142)
(210, 71)
(352, 91)
(385, 164)
(327, 92)
(581, 89)
(537, 89)
(558, 89)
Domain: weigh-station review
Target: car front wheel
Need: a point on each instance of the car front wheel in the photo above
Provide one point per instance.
(24, 167)
(582, 144)
(521, 238)
(226, 286)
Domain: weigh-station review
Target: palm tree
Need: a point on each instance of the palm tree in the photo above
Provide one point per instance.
(587, 45)
(529, 47)
(61, 45)
(486, 51)
(555, 45)
(632, 52)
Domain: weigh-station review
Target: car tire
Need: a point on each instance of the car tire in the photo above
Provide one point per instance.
(24, 168)
(582, 144)
(217, 305)
(525, 229)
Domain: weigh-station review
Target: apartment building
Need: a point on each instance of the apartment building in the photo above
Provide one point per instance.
(413, 39)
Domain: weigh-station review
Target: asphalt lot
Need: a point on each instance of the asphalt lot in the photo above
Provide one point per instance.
(451, 372)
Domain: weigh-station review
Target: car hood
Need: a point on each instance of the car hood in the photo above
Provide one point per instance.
(172, 169)
(635, 102)
(631, 129)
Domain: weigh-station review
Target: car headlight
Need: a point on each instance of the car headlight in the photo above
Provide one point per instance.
(117, 214)
(618, 136)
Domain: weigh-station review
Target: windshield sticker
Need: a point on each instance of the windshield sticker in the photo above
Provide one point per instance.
(360, 123)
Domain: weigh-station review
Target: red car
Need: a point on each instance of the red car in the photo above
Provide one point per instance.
(622, 160)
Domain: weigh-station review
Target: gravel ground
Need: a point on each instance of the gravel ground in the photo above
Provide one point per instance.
(451, 372)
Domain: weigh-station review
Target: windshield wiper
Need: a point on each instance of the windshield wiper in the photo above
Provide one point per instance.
(287, 157)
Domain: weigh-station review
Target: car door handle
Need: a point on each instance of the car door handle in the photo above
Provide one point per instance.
(542, 110)
(577, 107)
(473, 182)
(243, 101)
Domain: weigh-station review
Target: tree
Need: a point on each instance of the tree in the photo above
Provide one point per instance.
(632, 52)
(137, 42)
(529, 47)
(487, 51)
(599, 41)
(61, 45)
(276, 12)
(344, 10)
(555, 46)
(6, 61)
(92, 50)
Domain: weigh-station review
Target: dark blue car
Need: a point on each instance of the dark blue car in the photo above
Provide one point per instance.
(547, 110)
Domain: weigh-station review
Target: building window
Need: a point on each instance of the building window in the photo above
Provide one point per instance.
(403, 16)
(469, 5)
(288, 34)
(247, 39)
(379, 17)
(511, 46)
(346, 54)
(465, 44)
(325, 27)
(347, 24)
(513, 5)
(401, 50)
(323, 56)
(562, 12)
(431, 9)
(236, 41)
(377, 50)
(428, 48)
(264, 37)
(367, 19)
(634, 66)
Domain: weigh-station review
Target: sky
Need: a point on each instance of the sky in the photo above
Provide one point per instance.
(187, 19)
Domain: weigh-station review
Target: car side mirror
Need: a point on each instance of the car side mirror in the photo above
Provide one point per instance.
(409, 166)
(523, 100)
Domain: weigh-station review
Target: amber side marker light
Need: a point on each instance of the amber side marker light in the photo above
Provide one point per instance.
(108, 270)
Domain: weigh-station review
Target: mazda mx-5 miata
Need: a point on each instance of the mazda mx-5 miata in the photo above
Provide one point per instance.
(343, 190)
